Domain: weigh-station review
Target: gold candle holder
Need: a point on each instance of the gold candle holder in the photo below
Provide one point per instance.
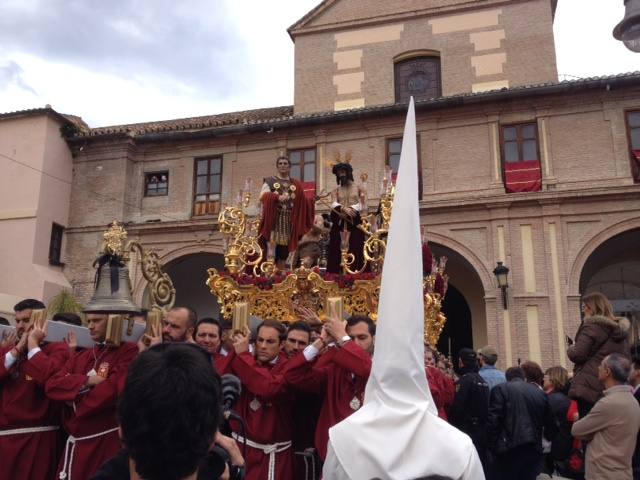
(39, 317)
(154, 321)
(114, 330)
(335, 304)
(240, 316)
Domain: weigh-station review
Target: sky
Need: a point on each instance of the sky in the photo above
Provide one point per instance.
(123, 61)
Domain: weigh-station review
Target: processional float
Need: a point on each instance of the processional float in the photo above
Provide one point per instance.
(251, 284)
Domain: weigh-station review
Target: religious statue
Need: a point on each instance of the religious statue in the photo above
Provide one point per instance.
(286, 213)
(347, 205)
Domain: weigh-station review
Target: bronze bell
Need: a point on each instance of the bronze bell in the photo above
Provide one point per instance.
(113, 292)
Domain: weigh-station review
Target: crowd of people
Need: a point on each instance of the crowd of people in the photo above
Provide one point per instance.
(155, 410)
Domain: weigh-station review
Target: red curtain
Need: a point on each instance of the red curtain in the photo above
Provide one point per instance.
(523, 176)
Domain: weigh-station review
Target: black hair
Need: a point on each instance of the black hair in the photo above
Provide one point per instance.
(355, 319)
(210, 321)
(283, 157)
(282, 331)
(170, 410)
(4, 321)
(514, 372)
(28, 304)
(70, 318)
(469, 359)
(300, 325)
(533, 372)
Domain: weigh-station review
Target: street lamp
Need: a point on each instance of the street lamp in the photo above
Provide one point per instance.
(628, 30)
(502, 275)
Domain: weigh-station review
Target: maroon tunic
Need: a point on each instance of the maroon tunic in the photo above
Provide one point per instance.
(23, 404)
(222, 363)
(92, 411)
(342, 374)
(265, 405)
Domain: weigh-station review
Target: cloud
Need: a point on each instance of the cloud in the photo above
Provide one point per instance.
(184, 45)
(11, 75)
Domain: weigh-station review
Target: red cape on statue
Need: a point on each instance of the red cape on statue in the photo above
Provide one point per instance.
(301, 215)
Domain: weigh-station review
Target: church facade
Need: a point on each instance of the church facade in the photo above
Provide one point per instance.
(515, 167)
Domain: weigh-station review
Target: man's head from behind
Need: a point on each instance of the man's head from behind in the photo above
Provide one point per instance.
(170, 410)
(614, 370)
(362, 330)
(514, 373)
(178, 324)
(298, 337)
(23, 311)
(488, 355)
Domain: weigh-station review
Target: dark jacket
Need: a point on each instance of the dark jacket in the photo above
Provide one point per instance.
(562, 442)
(470, 407)
(596, 338)
(518, 413)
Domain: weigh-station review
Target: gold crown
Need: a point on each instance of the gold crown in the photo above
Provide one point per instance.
(337, 158)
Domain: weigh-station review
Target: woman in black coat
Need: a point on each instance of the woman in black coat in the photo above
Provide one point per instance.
(556, 385)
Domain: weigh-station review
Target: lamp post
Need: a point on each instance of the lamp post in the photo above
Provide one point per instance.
(502, 275)
(628, 30)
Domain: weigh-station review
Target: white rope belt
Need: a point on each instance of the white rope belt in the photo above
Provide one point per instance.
(22, 431)
(270, 450)
(67, 465)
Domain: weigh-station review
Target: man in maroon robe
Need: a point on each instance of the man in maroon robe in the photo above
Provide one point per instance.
(306, 407)
(286, 213)
(89, 384)
(340, 372)
(29, 421)
(265, 403)
(208, 334)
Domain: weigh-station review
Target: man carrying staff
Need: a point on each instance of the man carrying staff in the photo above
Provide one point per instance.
(286, 213)
(29, 421)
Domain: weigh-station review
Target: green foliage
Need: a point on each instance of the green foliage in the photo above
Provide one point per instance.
(64, 302)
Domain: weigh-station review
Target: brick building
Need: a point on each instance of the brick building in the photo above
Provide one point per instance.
(515, 166)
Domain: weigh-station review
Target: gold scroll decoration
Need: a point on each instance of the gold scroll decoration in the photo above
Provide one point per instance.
(306, 288)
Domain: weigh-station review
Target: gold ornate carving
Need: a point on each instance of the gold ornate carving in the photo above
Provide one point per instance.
(274, 296)
(161, 290)
(307, 288)
(114, 239)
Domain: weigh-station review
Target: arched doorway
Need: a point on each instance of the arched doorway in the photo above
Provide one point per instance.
(613, 268)
(189, 274)
(463, 305)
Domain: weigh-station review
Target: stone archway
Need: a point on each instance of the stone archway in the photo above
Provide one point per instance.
(613, 268)
(189, 274)
(464, 305)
